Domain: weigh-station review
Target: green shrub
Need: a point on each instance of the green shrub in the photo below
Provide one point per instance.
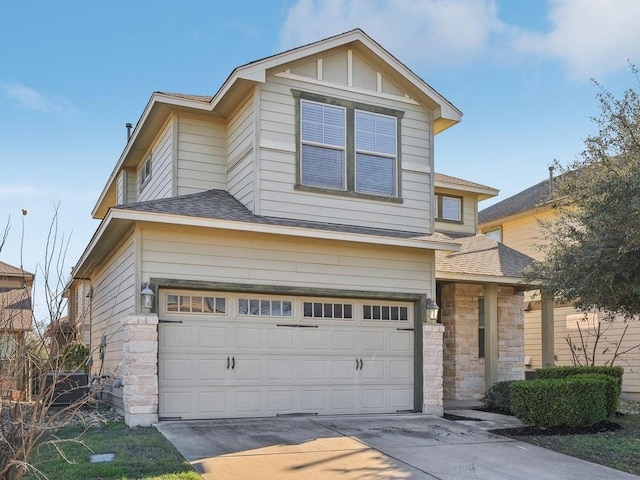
(578, 400)
(613, 372)
(498, 397)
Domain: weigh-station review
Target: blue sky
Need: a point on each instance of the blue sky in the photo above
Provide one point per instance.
(73, 73)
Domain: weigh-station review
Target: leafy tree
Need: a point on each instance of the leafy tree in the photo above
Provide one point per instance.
(592, 247)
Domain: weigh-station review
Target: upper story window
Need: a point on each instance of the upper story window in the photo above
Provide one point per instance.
(494, 233)
(449, 208)
(348, 148)
(145, 172)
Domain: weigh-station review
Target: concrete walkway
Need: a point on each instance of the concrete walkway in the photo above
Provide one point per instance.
(408, 446)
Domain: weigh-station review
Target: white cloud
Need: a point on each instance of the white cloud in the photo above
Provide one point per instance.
(591, 37)
(31, 99)
(445, 31)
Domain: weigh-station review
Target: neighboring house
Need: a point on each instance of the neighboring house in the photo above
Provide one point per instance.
(15, 322)
(287, 229)
(515, 222)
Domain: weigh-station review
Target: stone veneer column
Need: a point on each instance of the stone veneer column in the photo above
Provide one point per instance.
(432, 369)
(140, 369)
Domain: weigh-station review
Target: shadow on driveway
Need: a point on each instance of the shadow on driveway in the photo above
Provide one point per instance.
(407, 446)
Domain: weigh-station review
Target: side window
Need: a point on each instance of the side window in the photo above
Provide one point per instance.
(494, 233)
(145, 173)
(449, 208)
(376, 160)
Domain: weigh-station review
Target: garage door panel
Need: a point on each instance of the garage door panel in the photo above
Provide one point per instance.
(343, 369)
(212, 402)
(373, 370)
(401, 341)
(247, 337)
(212, 337)
(280, 369)
(343, 400)
(313, 400)
(247, 368)
(280, 339)
(373, 341)
(343, 340)
(401, 369)
(314, 370)
(175, 336)
(373, 398)
(212, 369)
(313, 339)
(175, 404)
(279, 401)
(171, 369)
(402, 398)
(247, 401)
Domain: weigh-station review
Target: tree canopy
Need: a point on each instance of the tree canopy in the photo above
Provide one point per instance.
(592, 247)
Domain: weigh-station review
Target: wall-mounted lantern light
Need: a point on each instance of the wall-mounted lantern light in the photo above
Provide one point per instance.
(432, 311)
(146, 296)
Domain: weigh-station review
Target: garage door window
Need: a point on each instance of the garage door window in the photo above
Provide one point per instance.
(196, 304)
(264, 307)
(328, 310)
(385, 312)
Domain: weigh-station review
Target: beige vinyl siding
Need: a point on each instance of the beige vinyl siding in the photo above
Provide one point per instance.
(113, 298)
(469, 214)
(240, 153)
(201, 155)
(278, 165)
(121, 188)
(262, 259)
(160, 183)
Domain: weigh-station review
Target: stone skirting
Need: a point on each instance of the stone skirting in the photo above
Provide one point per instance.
(432, 349)
(140, 369)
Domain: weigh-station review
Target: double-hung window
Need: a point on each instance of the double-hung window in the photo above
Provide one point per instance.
(323, 144)
(348, 148)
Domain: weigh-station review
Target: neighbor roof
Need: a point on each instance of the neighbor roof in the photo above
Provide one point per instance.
(481, 256)
(15, 309)
(7, 270)
(527, 199)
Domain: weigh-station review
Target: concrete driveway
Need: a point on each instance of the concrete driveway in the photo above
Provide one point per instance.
(362, 447)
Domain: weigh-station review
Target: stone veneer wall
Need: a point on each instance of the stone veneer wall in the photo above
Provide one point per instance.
(463, 369)
(140, 369)
(432, 351)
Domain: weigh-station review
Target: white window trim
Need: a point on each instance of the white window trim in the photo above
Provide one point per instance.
(144, 173)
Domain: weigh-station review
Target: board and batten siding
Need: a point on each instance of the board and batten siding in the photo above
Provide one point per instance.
(240, 153)
(160, 185)
(278, 197)
(263, 259)
(201, 155)
(113, 298)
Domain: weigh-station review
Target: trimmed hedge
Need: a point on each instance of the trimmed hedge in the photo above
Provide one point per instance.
(577, 400)
(613, 372)
(498, 397)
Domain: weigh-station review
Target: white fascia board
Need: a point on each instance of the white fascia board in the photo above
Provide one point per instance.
(152, 217)
(475, 278)
(95, 239)
(492, 192)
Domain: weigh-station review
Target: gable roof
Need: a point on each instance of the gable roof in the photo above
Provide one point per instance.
(482, 259)
(526, 200)
(244, 78)
(15, 309)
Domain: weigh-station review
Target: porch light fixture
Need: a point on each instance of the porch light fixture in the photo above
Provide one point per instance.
(432, 311)
(147, 297)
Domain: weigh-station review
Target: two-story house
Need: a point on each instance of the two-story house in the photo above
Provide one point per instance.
(285, 229)
(515, 221)
(15, 322)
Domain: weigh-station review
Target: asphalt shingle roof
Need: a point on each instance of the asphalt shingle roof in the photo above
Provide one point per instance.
(518, 203)
(458, 181)
(11, 271)
(481, 255)
(219, 204)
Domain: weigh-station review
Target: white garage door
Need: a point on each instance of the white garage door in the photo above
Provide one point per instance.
(223, 355)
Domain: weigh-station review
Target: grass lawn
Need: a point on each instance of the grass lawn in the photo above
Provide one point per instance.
(619, 448)
(140, 453)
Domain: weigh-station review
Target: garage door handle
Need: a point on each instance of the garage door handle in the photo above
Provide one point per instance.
(227, 363)
(233, 363)
(361, 364)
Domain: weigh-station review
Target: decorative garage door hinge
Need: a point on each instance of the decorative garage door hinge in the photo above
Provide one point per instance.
(296, 325)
